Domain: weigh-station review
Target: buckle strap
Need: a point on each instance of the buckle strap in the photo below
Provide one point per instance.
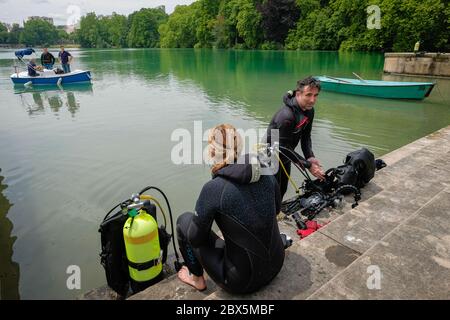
(145, 265)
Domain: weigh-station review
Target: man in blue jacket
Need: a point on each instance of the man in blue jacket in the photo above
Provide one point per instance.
(65, 58)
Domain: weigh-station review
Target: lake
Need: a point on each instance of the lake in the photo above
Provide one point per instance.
(69, 155)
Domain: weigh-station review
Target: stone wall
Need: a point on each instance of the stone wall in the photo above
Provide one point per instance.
(430, 64)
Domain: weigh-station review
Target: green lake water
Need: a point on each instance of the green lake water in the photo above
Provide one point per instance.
(68, 155)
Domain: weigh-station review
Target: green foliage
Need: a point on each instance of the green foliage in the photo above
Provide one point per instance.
(179, 30)
(116, 30)
(14, 34)
(278, 17)
(38, 32)
(139, 30)
(3, 33)
(249, 24)
(144, 24)
(270, 45)
(343, 25)
(205, 16)
(88, 34)
(264, 24)
(317, 31)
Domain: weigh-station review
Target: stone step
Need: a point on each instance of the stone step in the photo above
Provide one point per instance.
(411, 262)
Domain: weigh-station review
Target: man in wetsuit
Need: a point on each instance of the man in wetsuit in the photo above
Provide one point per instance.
(244, 205)
(294, 123)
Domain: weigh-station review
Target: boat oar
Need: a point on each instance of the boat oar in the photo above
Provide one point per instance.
(337, 79)
(359, 77)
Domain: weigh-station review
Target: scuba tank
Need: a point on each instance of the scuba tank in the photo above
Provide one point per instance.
(134, 248)
(142, 246)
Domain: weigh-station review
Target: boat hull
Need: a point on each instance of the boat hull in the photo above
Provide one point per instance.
(73, 77)
(379, 89)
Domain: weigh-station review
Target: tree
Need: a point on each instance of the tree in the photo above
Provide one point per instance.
(144, 26)
(317, 31)
(38, 32)
(14, 34)
(248, 24)
(179, 30)
(3, 33)
(117, 30)
(278, 17)
(206, 21)
(88, 34)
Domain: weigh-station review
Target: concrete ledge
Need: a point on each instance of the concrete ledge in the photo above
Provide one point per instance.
(431, 64)
(414, 260)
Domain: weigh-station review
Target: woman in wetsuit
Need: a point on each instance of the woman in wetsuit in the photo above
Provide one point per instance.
(244, 204)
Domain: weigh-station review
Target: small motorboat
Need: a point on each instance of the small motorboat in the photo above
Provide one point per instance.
(50, 77)
(44, 76)
(376, 88)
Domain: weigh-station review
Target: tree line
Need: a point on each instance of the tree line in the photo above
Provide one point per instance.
(34, 32)
(260, 24)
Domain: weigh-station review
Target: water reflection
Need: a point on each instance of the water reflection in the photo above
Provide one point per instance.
(37, 100)
(9, 270)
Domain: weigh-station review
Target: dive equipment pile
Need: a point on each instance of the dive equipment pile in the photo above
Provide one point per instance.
(315, 195)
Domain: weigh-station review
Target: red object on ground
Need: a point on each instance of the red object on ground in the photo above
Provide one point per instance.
(311, 227)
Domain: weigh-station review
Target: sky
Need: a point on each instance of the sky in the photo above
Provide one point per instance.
(66, 11)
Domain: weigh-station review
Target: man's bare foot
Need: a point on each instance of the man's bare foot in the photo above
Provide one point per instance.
(197, 282)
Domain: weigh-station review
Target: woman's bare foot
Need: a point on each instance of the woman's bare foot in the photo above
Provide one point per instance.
(197, 282)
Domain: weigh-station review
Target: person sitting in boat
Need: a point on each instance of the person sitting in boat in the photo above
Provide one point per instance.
(244, 204)
(65, 58)
(32, 67)
(47, 59)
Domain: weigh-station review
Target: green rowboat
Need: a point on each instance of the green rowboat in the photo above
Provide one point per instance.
(379, 89)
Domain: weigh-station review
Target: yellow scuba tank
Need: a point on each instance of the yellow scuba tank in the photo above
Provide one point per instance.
(134, 248)
(142, 246)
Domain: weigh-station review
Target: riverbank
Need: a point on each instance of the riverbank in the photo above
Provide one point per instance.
(21, 46)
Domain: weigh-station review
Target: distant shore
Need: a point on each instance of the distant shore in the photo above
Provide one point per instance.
(20, 46)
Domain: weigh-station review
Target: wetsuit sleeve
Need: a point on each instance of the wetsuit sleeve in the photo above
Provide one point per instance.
(53, 58)
(306, 139)
(42, 59)
(208, 204)
(284, 127)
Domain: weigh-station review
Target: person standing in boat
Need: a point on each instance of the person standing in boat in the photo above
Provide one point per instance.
(65, 58)
(47, 59)
(294, 123)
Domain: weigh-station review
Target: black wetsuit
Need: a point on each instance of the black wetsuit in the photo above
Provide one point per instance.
(294, 125)
(244, 206)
